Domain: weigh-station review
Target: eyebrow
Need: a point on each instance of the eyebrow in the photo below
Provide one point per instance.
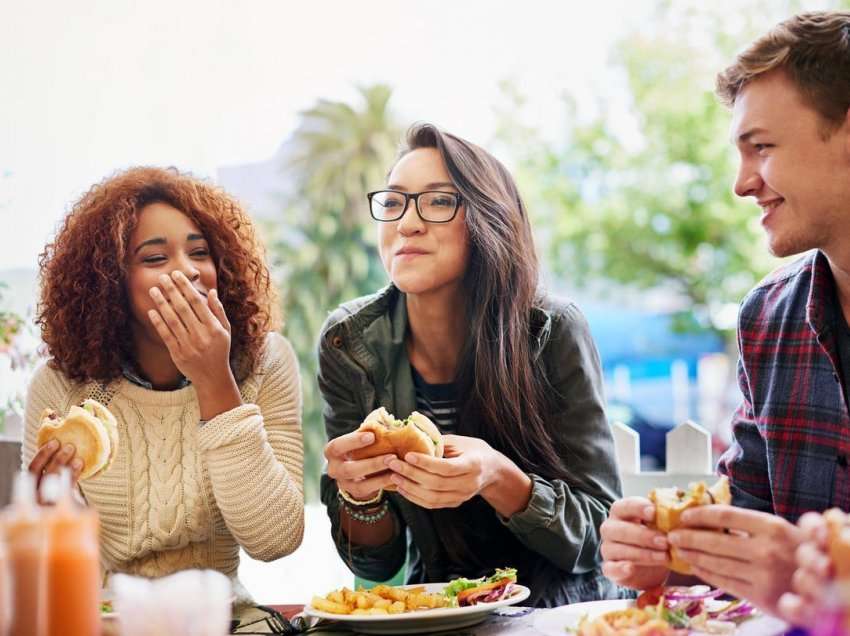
(744, 137)
(158, 240)
(428, 186)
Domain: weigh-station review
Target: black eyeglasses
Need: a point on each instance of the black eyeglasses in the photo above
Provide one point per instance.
(432, 206)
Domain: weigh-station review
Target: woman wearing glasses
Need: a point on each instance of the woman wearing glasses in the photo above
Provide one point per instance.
(510, 376)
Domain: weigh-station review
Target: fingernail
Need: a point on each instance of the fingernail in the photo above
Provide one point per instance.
(68, 449)
(673, 538)
(214, 293)
(77, 464)
(394, 464)
(175, 274)
(411, 458)
(397, 480)
(164, 279)
(367, 438)
(661, 542)
(649, 513)
(389, 460)
(53, 444)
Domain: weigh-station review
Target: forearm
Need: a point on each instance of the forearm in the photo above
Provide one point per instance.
(259, 495)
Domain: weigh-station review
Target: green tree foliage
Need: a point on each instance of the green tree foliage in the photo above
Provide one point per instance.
(324, 253)
(639, 191)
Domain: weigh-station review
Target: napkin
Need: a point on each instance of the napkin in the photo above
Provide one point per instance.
(190, 603)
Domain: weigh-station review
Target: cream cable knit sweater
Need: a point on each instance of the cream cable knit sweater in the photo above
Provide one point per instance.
(181, 496)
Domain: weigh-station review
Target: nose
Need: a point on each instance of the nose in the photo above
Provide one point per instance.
(188, 269)
(410, 223)
(748, 181)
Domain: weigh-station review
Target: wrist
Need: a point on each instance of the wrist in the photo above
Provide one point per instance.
(215, 398)
(509, 489)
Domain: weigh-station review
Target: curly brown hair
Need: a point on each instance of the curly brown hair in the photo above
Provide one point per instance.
(84, 309)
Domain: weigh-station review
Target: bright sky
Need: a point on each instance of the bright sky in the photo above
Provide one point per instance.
(93, 86)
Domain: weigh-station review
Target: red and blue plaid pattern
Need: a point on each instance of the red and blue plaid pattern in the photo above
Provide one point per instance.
(792, 431)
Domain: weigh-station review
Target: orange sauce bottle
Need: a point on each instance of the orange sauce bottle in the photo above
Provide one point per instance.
(5, 587)
(72, 562)
(25, 540)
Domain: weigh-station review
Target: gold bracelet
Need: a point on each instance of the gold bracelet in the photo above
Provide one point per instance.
(358, 502)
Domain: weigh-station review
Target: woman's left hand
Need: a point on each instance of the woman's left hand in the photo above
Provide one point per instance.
(194, 328)
(468, 467)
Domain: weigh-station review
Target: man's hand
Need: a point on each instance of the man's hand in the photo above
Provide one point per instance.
(635, 555)
(746, 553)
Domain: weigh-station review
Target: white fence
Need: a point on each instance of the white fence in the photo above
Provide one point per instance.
(688, 458)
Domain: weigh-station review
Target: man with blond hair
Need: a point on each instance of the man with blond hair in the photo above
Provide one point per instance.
(790, 98)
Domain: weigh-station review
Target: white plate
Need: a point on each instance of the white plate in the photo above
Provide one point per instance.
(420, 621)
(555, 622)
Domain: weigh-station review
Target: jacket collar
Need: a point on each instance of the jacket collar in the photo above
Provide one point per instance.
(385, 314)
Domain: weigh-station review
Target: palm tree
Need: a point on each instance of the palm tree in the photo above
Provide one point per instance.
(325, 254)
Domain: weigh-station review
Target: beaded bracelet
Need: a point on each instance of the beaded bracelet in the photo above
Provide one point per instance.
(360, 503)
(368, 516)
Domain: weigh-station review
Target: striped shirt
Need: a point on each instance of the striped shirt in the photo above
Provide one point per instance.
(437, 402)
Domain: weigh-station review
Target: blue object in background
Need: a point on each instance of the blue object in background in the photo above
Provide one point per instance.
(647, 345)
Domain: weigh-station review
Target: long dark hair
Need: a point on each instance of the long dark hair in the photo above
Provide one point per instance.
(504, 396)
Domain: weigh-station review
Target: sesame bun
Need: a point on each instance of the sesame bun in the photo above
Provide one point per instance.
(670, 503)
(416, 434)
(91, 429)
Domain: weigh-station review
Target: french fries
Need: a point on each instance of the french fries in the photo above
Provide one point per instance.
(381, 599)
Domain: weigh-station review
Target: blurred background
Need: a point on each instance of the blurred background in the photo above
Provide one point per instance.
(604, 111)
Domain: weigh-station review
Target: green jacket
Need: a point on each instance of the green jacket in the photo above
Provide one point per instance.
(554, 542)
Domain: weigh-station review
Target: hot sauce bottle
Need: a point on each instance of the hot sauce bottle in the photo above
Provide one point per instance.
(23, 526)
(72, 562)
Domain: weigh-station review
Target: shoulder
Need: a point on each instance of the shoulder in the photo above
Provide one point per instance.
(48, 378)
(360, 309)
(786, 285)
(277, 350)
(563, 314)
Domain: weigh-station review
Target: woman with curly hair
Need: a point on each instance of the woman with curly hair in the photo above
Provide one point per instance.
(155, 300)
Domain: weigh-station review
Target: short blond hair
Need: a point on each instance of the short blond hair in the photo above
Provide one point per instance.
(813, 49)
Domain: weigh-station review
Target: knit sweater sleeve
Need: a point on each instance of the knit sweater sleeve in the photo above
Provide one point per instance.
(255, 454)
(48, 388)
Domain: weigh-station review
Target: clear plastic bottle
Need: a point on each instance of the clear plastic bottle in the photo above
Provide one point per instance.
(25, 539)
(72, 562)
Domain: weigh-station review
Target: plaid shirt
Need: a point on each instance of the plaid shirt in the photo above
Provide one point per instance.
(791, 444)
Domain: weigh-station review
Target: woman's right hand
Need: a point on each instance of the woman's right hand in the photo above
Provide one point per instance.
(635, 555)
(362, 479)
(50, 459)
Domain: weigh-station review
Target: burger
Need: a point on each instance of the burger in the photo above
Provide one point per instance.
(90, 428)
(670, 503)
(414, 434)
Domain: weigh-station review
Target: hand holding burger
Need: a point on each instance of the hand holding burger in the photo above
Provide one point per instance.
(85, 440)
(358, 460)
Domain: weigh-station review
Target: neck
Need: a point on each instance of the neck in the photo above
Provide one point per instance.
(153, 361)
(437, 323)
(840, 266)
